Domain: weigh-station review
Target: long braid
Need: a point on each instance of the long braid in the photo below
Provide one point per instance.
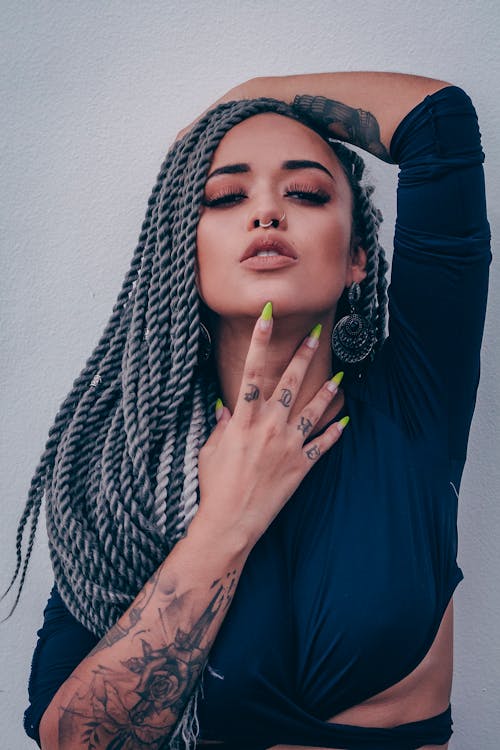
(120, 468)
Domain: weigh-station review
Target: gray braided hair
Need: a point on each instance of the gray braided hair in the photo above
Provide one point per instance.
(119, 472)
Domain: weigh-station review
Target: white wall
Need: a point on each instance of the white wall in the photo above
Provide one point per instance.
(93, 94)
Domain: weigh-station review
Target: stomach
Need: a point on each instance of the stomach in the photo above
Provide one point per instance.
(424, 693)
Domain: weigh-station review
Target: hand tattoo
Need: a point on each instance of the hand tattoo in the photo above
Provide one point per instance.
(313, 453)
(348, 124)
(305, 426)
(286, 397)
(252, 394)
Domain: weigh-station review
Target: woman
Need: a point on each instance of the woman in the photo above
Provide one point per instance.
(317, 574)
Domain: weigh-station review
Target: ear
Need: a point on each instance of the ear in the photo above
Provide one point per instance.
(357, 268)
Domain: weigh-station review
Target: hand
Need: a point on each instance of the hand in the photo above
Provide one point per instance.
(255, 459)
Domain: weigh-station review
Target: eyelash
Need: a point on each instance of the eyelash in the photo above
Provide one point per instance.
(230, 196)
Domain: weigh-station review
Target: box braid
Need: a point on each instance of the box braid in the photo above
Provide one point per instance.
(119, 471)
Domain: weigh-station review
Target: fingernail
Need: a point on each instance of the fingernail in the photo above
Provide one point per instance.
(334, 382)
(266, 316)
(312, 341)
(219, 408)
(343, 423)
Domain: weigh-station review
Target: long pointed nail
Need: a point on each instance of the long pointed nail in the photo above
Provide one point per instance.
(266, 316)
(342, 423)
(219, 408)
(312, 341)
(333, 383)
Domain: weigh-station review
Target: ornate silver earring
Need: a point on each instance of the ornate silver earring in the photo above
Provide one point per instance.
(204, 344)
(353, 337)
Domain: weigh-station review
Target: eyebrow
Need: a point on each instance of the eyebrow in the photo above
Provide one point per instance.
(288, 165)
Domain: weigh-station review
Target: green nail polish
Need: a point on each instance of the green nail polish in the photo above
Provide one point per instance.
(218, 407)
(338, 377)
(267, 312)
(316, 331)
(343, 423)
(312, 339)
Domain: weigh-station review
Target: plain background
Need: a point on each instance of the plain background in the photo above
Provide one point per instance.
(92, 96)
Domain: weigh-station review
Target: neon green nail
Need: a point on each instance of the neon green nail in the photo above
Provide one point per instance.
(267, 312)
(338, 377)
(312, 341)
(333, 383)
(218, 407)
(266, 316)
(343, 423)
(316, 331)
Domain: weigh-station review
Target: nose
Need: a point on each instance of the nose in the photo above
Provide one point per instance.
(267, 218)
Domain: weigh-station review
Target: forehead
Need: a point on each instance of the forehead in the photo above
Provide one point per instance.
(272, 139)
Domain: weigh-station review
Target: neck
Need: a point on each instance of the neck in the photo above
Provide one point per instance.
(232, 340)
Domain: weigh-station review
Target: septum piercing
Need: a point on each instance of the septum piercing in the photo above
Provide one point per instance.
(271, 223)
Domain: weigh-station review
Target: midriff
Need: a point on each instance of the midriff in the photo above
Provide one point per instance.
(424, 693)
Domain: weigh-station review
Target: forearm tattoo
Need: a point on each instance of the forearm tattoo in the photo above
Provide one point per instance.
(346, 123)
(137, 707)
(253, 394)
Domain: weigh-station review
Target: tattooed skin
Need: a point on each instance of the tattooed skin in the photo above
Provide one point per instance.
(119, 631)
(305, 426)
(286, 397)
(348, 124)
(252, 394)
(137, 709)
(313, 453)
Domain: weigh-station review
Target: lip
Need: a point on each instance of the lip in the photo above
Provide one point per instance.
(269, 243)
(269, 262)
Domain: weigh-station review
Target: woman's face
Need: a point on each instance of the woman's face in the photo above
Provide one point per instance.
(264, 167)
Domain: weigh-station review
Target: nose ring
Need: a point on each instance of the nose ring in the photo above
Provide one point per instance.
(273, 223)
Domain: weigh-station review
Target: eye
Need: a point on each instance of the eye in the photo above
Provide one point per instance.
(226, 197)
(315, 195)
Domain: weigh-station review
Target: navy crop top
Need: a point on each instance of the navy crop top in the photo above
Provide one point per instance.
(343, 594)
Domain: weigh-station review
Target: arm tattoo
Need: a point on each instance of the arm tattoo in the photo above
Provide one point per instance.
(286, 397)
(252, 394)
(313, 453)
(347, 124)
(304, 426)
(119, 631)
(137, 708)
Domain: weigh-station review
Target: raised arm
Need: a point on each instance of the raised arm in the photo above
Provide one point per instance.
(362, 108)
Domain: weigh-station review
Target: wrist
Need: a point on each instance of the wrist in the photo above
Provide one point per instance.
(231, 537)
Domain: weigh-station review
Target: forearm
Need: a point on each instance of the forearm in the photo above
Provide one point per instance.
(362, 108)
(135, 684)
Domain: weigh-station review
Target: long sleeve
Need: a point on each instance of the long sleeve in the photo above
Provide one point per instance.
(62, 644)
(428, 370)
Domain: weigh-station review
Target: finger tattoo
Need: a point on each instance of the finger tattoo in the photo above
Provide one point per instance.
(313, 453)
(252, 394)
(304, 426)
(286, 397)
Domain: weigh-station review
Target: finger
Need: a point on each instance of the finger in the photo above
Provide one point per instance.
(222, 415)
(250, 396)
(314, 410)
(285, 393)
(313, 451)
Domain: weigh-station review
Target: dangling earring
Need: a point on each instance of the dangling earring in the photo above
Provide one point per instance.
(353, 337)
(204, 344)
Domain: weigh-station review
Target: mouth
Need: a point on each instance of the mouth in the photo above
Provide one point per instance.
(268, 247)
